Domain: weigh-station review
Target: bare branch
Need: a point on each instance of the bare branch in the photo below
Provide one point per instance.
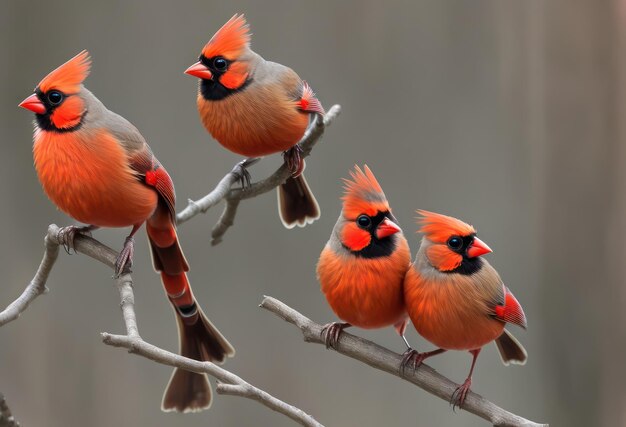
(36, 287)
(386, 360)
(249, 392)
(224, 190)
(6, 418)
(217, 195)
(227, 219)
(238, 387)
(133, 341)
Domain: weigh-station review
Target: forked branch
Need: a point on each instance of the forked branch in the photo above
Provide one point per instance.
(386, 360)
(230, 384)
(232, 196)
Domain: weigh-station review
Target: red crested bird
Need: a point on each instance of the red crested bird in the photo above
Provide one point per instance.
(456, 299)
(362, 267)
(255, 107)
(96, 167)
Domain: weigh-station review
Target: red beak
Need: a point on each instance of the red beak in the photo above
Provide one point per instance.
(387, 228)
(199, 70)
(33, 104)
(478, 248)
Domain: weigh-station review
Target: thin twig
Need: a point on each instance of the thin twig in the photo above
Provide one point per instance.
(133, 341)
(227, 219)
(36, 287)
(386, 360)
(237, 386)
(6, 418)
(249, 392)
(224, 190)
(217, 195)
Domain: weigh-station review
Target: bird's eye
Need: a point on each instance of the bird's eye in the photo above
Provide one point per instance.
(55, 97)
(364, 221)
(455, 242)
(220, 64)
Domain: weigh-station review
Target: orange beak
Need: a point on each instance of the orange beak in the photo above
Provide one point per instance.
(478, 248)
(33, 104)
(200, 71)
(387, 228)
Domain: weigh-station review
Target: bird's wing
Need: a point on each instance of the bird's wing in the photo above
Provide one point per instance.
(297, 89)
(309, 102)
(510, 310)
(141, 160)
(151, 173)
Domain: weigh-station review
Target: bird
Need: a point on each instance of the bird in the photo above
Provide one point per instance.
(361, 269)
(95, 166)
(456, 300)
(255, 108)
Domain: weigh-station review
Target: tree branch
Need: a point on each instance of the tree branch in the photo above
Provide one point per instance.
(6, 418)
(132, 341)
(227, 219)
(224, 190)
(386, 360)
(36, 287)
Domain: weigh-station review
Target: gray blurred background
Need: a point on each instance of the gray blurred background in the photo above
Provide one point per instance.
(507, 114)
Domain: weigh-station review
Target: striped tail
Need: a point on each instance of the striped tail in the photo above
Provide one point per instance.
(199, 339)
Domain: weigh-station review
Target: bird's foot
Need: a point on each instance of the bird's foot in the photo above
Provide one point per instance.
(458, 397)
(241, 171)
(124, 260)
(331, 331)
(68, 234)
(295, 162)
(411, 357)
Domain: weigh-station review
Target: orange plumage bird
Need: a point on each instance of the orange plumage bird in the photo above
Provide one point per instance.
(362, 267)
(97, 168)
(456, 299)
(255, 107)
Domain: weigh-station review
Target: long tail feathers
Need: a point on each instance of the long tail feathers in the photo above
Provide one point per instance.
(199, 339)
(296, 203)
(511, 351)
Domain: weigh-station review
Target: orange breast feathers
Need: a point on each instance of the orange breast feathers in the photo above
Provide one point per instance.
(365, 292)
(452, 311)
(257, 121)
(89, 178)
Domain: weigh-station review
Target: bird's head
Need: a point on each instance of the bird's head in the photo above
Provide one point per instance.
(223, 65)
(56, 101)
(451, 244)
(368, 228)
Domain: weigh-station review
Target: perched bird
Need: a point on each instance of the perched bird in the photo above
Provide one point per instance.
(255, 107)
(362, 267)
(97, 168)
(456, 299)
